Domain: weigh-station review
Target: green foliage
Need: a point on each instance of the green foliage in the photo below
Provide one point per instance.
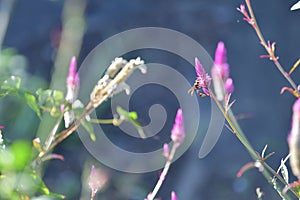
(85, 123)
(16, 156)
(131, 117)
(18, 180)
(50, 101)
(12, 86)
(24, 185)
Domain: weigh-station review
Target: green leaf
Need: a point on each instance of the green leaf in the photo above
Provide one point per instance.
(42, 189)
(52, 97)
(131, 117)
(11, 86)
(283, 169)
(21, 151)
(89, 128)
(30, 100)
(285, 173)
(50, 101)
(12, 83)
(16, 156)
(86, 124)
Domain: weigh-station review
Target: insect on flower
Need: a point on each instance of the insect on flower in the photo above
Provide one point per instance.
(202, 81)
(196, 87)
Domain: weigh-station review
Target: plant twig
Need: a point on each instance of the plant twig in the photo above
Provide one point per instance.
(164, 173)
(268, 49)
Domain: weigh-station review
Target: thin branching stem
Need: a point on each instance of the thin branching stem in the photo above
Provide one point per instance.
(51, 136)
(164, 173)
(65, 133)
(270, 51)
(230, 118)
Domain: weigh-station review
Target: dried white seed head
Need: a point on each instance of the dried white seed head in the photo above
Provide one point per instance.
(113, 82)
(115, 67)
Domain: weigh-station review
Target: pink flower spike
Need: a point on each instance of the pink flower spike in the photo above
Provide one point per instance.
(220, 62)
(220, 55)
(2, 127)
(229, 87)
(173, 196)
(178, 133)
(199, 68)
(203, 79)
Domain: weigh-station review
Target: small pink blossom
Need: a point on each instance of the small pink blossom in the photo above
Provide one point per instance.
(271, 50)
(220, 63)
(220, 71)
(229, 87)
(166, 151)
(2, 127)
(72, 81)
(247, 18)
(72, 91)
(97, 180)
(203, 79)
(173, 196)
(178, 133)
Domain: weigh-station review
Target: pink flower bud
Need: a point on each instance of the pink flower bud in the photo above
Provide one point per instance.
(97, 180)
(220, 71)
(294, 140)
(178, 133)
(220, 63)
(229, 87)
(173, 196)
(166, 151)
(72, 81)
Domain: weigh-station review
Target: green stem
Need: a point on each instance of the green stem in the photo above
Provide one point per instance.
(230, 118)
(51, 136)
(65, 133)
(103, 121)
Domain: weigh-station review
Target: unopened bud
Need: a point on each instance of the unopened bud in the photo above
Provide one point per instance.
(294, 140)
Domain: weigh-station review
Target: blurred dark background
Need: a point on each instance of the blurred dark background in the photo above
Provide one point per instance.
(34, 31)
